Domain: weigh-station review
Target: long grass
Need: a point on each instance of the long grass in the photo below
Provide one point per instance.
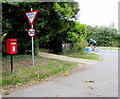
(24, 72)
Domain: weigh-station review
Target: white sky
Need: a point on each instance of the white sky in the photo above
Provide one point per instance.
(98, 12)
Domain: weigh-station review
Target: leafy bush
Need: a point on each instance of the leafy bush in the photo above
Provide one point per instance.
(79, 46)
(105, 36)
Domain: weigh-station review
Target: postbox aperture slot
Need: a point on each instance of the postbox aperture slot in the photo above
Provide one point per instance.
(13, 42)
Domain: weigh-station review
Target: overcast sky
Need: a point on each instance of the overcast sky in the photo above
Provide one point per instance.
(98, 12)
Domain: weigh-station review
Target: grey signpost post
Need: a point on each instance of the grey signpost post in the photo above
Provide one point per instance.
(32, 46)
(31, 15)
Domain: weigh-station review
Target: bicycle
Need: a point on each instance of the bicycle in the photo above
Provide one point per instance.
(96, 49)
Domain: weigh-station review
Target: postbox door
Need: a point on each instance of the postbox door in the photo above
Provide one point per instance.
(13, 47)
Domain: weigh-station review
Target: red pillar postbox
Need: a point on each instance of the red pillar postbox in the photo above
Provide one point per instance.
(11, 46)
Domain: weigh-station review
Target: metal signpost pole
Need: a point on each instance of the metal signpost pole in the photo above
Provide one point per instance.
(32, 46)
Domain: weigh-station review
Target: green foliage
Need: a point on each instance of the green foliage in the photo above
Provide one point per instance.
(104, 35)
(76, 35)
(72, 36)
(52, 22)
(64, 10)
(80, 29)
(79, 46)
(76, 32)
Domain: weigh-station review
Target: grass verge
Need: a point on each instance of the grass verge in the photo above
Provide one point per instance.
(110, 48)
(84, 55)
(25, 73)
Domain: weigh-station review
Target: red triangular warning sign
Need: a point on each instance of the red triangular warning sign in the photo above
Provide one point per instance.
(31, 16)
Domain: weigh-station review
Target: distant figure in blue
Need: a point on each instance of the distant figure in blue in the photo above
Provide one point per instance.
(93, 44)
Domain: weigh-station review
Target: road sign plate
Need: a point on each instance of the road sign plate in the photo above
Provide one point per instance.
(31, 16)
(31, 32)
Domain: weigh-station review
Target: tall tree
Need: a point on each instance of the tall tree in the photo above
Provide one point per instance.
(53, 19)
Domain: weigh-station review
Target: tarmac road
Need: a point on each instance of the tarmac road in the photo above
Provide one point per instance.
(104, 74)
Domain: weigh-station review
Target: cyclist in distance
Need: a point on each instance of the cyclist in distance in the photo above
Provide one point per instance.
(93, 44)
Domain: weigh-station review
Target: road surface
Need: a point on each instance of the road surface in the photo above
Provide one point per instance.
(104, 74)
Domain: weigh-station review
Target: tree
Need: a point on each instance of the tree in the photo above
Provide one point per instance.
(52, 21)
(104, 35)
